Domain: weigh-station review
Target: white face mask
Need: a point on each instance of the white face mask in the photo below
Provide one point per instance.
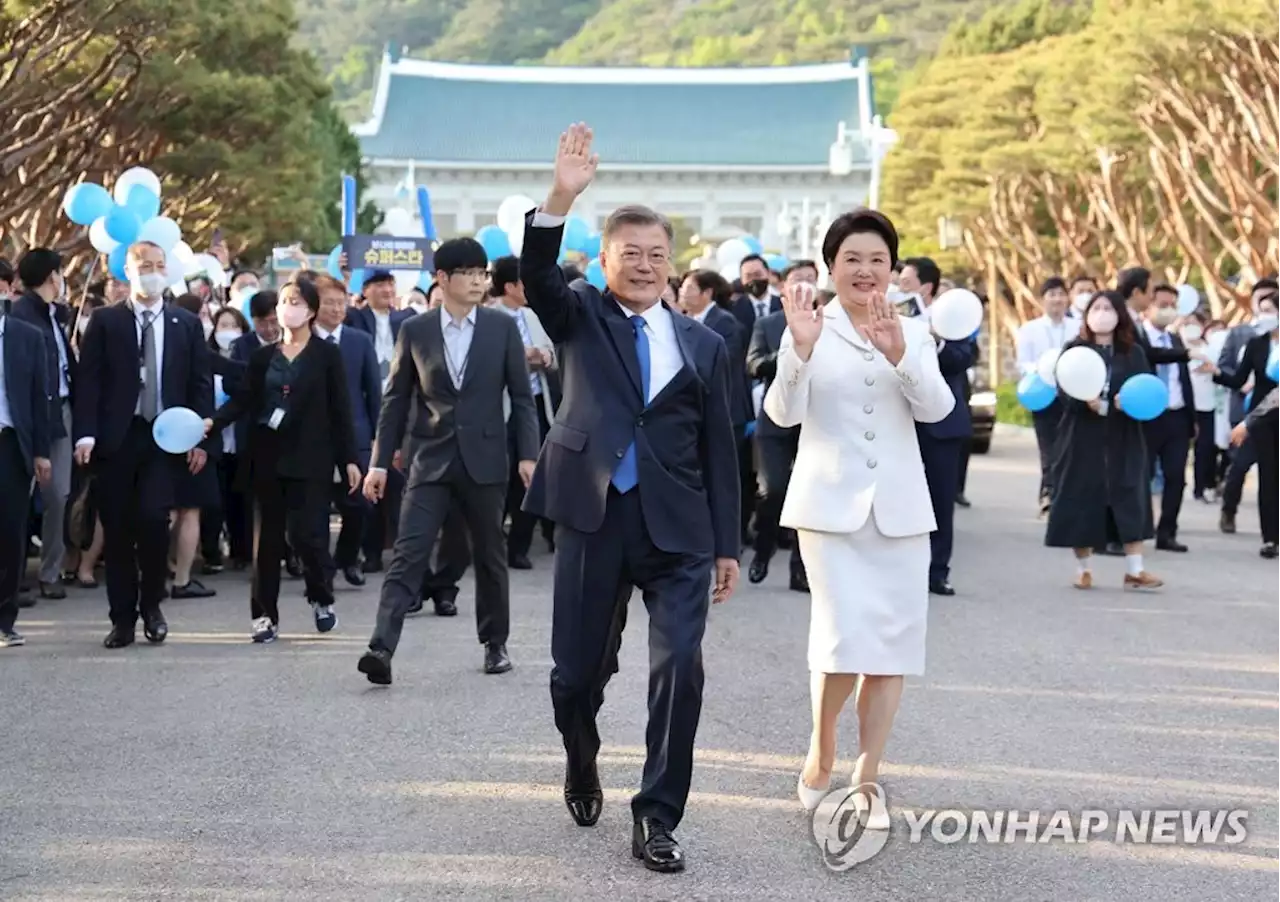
(225, 337)
(149, 285)
(1266, 322)
(1081, 300)
(1192, 332)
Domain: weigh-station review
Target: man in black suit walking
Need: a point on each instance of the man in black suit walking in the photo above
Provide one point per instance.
(451, 368)
(24, 454)
(757, 300)
(138, 358)
(639, 473)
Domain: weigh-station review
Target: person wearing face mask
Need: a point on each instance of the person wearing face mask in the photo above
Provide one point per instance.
(235, 512)
(1261, 425)
(295, 395)
(857, 377)
(137, 360)
(243, 285)
(1204, 400)
(1082, 289)
(757, 299)
(1100, 477)
(43, 305)
(1169, 435)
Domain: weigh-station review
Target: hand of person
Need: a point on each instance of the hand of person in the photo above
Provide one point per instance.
(575, 164)
(208, 427)
(1239, 433)
(525, 467)
(883, 330)
(533, 357)
(196, 459)
(342, 263)
(396, 460)
(804, 317)
(375, 484)
(353, 478)
(83, 454)
(219, 252)
(1095, 405)
(44, 470)
(726, 579)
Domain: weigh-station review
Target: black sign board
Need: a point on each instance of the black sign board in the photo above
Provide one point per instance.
(386, 252)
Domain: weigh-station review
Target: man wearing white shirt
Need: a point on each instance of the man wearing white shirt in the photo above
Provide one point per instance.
(1036, 338)
(1169, 435)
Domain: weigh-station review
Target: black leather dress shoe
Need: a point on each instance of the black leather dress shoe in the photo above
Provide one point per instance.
(1169, 544)
(353, 576)
(119, 637)
(652, 842)
(582, 794)
(799, 580)
(758, 570)
(519, 562)
(1113, 549)
(376, 665)
(496, 659)
(941, 587)
(445, 607)
(293, 566)
(962, 501)
(155, 628)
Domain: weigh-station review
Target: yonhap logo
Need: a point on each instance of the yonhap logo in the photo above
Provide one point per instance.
(851, 825)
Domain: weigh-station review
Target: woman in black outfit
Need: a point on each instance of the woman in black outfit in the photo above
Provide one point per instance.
(236, 511)
(1100, 467)
(300, 440)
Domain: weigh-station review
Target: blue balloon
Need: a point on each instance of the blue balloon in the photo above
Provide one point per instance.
(754, 243)
(177, 430)
(123, 225)
(424, 210)
(776, 262)
(1273, 366)
(144, 202)
(1143, 397)
(1034, 393)
(356, 282)
(494, 241)
(595, 274)
(425, 281)
(591, 247)
(348, 205)
(115, 262)
(86, 202)
(576, 233)
(332, 265)
(244, 304)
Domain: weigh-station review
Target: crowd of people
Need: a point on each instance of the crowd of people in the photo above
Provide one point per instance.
(653, 434)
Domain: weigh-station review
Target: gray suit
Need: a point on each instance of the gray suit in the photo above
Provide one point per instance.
(455, 453)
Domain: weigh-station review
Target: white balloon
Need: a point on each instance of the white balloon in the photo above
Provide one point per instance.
(700, 263)
(1046, 365)
(956, 314)
(731, 254)
(1188, 300)
(181, 252)
(400, 222)
(99, 238)
(729, 272)
(516, 239)
(211, 266)
(138, 175)
(405, 280)
(1081, 373)
(162, 231)
(511, 214)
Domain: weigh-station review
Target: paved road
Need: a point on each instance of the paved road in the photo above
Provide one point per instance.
(213, 769)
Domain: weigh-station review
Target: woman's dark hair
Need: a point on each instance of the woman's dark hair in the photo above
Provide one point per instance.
(1125, 336)
(718, 285)
(435, 286)
(241, 323)
(190, 303)
(306, 290)
(859, 222)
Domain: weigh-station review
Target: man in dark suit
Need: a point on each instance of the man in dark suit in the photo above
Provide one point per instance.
(1169, 435)
(452, 367)
(42, 305)
(942, 443)
(360, 362)
(757, 300)
(138, 359)
(639, 473)
(24, 454)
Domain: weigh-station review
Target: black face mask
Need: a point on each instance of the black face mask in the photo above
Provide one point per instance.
(758, 288)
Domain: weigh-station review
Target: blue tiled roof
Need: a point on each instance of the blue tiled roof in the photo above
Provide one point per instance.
(457, 120)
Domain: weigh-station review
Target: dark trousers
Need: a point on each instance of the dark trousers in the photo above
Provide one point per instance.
(453, 557)
(355, 510)
(234, 514)
(1266, 440)
(135, 494)
(423, 512)
(287, 510)
(963, 476)
(942, 471)
(382, 518)
(520, 536)
(1205, 469)
(1242, 458)
(1046, 425)
(594, 575)
(747, 475)
(774, 458)
(1169, 443)
(15, 487)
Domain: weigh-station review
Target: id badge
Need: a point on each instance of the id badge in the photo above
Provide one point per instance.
(1103, 406)
(142, 375)
(277, 417)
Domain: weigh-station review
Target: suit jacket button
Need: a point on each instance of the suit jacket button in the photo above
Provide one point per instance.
(868, 408)
(869, 435)
(639, 421)
(871, 465)
(867, 355)
(870, 380)
(618, 454)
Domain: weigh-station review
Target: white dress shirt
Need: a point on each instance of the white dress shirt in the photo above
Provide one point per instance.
(1168, 372)
(1043, 334)
(324, 334)
(64, 388)
(6, 418)
(457, 342)
(526, 336)
(157, 337)
(701, 316)
(383, 341)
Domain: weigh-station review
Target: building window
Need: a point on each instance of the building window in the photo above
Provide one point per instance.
(752, 225)
(446, 225)
(484, 219)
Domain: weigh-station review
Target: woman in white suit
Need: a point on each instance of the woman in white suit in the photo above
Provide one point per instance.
(857, 376)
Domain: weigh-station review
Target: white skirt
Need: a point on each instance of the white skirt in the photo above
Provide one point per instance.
(869, 601)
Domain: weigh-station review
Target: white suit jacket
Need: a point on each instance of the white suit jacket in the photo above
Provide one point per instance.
(541, 341)
(858, 451)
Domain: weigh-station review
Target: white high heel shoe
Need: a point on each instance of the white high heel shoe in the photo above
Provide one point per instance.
(810, 798)
(873, 811)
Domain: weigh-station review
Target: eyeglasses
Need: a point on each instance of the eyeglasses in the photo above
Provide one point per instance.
(656, 258)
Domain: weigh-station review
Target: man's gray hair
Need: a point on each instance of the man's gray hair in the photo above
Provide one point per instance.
(636, 215)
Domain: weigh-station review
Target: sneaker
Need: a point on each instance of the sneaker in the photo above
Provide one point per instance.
(11, 639)
(325, 618)
(1143, 580)
(264, 630)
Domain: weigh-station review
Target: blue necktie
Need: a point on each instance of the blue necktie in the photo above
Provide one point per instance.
(627, 476)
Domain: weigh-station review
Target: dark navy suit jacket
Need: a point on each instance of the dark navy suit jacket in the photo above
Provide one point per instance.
(686, 453)
(46, 317)
(954, 361)
(362, 318)
(241, 350)
(726, 325)
(26, 388)
(360, 361)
